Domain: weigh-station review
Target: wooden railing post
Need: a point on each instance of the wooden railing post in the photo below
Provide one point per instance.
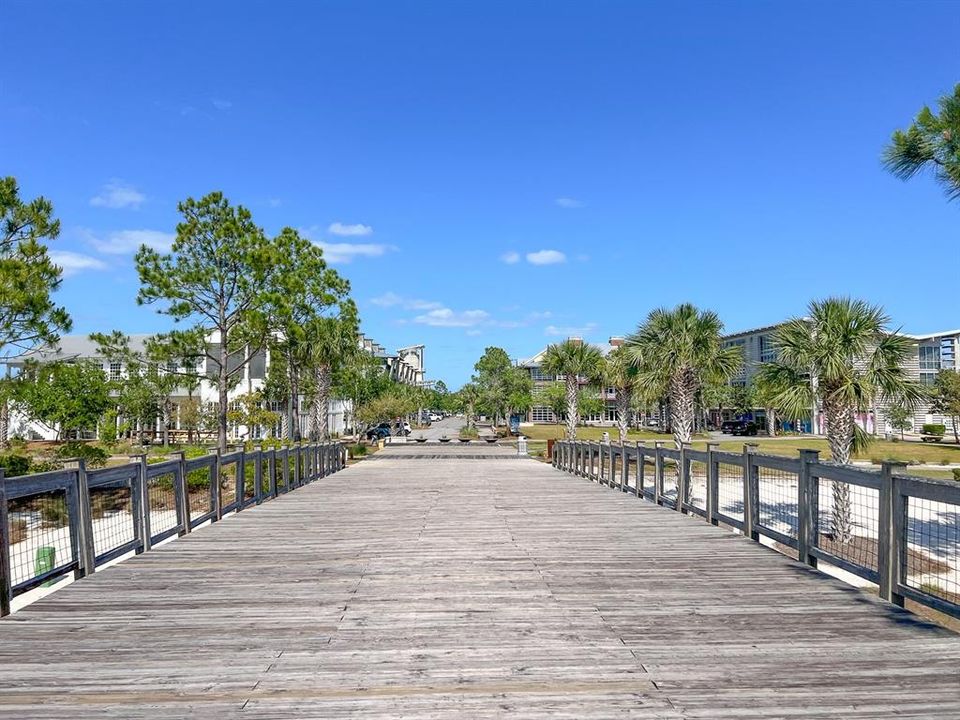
(240, 484)
(624, 467)
(6, 581)
(215, 495)
(296, 465)
(181, 493)
(272, 469)
(641, 447)
(808, 503)
(713, 483)
(85, 521)
(143, 491)
(286, 467)
(258, 474)
(658, 472)
(891, 544)
(683, 479)
(751, 478)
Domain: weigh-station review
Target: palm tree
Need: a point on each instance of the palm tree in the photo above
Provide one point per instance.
(676, 352)
(617, 372)
(932, 143)
(469, 395)
(574, 359)
(844, 358)
(329, 344)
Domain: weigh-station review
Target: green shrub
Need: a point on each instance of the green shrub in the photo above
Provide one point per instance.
(14, 465)
(934, 429)
(54, 514)
(956, 474)
(41, 466)
(358, 450)
(93, 455)
(945, 461)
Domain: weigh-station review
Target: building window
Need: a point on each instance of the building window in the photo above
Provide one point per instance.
(541, 414)
(929, 357)
(768, 353)
(928, 378)
(538, 374)
(115, 370)
(612, 414)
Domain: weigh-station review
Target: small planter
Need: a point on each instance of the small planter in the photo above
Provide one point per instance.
(444, 439)
(421, 439)
(464, 439)
(491, 440)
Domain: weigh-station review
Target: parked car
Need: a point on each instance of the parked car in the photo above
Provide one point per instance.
(743, 427)
(402, 428)
(727, 425)
(379, 432)
(434, 417)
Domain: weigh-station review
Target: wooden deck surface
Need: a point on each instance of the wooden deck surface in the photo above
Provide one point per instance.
(438, 582)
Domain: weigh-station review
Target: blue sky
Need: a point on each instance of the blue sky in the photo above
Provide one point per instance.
(501, 173)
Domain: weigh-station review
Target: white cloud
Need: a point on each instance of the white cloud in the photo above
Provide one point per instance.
(568, 203)
(342, 230)
(445, 317)
(73, 262)
(117, 194)
(510, 258)
(346, 252)
(569, 331)
(474, 332)
(546, 257)
(123, 242)
(391, 299)
(221, 104)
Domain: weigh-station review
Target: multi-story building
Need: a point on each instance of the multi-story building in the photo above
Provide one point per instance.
(405, 366)
(542, 414)
(933, 352)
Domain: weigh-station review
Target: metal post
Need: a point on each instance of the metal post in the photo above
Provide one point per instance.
(808, 497)
(6, 581)
(892, 538)
(751, 478)
(713, 483)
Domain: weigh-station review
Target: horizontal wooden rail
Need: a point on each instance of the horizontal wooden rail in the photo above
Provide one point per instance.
(871, 524)
(91, 517)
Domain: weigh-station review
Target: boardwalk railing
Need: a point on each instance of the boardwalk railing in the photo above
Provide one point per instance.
(75, 520)
(901, 533)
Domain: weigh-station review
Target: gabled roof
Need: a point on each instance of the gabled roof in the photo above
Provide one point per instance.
(72, 347)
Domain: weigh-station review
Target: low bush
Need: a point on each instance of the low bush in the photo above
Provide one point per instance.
(40, 466)
(93, 455)
(358, 450)
(945, 461)
(14, 465)
(956, 474)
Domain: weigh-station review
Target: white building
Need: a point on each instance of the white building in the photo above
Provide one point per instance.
(405, 366)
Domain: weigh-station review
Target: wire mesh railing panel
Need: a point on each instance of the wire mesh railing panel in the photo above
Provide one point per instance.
(39, 533)
(199, 495)
(265, 475)
(228, 484)
(162, 499)
(777, 500)
(848, 522)
(697, 484)
(730, 490)
(111, 517)
(671, 479)
(931, 562)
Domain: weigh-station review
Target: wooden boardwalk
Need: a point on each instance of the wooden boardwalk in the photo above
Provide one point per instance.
(435, 582)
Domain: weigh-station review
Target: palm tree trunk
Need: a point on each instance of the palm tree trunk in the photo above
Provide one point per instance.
(321, 398)
(771, 421)
(840, 422)
(573, 412)
(4, 422)
(623, 409)
(682, 391)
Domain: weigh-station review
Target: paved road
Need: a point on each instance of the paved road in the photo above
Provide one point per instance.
(463, 581)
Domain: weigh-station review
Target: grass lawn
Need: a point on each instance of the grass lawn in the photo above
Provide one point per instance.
(879, 450)
(556, 432)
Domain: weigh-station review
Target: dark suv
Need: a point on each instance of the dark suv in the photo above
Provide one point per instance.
(380, 431)
(743, 427)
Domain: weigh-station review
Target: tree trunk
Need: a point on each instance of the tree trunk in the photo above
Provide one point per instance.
(222, 389)
(956, 428)
(4, 422)
(321, 399)
(166, 423)
(771, 422)
(682, 391)
(840, 423)
(623, 409)
(573, 412)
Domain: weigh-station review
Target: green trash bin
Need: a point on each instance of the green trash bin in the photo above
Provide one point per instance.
(45, 562)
